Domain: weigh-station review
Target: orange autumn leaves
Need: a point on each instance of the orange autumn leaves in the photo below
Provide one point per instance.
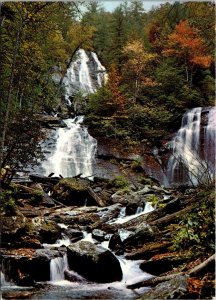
(186, 43)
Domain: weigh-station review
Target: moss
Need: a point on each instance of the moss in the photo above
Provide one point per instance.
(10, 207)
(145, 180)
(72, 184)
(37, 197)
(119, 182)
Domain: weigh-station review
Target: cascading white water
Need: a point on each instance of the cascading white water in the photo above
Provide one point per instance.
(131, 271)
(210, 140)
(57, 267)
(84, 75)
(74, 152)
(187, 164)
(2, 278)
(123, 218)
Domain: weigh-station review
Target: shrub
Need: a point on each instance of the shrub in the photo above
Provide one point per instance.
(10, 207)
(119, 182)
(195, 230)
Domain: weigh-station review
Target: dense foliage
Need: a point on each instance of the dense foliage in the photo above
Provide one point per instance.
(35, 40)
(159, 63)
(163, 62)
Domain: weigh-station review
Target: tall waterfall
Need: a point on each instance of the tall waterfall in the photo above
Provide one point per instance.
(85, 74)
(74, 151)
(70, 151)
(193, 158)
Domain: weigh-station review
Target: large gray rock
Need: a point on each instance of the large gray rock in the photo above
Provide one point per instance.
(94, 262)
(175, 288)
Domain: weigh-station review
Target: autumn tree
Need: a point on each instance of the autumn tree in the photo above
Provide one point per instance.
(186, 44)
(114, 85)
(137, 61)
(33, 41)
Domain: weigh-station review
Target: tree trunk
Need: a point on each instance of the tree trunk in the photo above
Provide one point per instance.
(10, 89)
(153, 281)
(207, 263)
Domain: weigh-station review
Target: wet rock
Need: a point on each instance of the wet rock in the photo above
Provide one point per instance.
(49, 232)
(73, 276)
(74, 235)
(115, 242)
(18, 294)
(99, 235)
(94, 262)
(131, 209)
(97, 189)
(175, 288)
(142, 235)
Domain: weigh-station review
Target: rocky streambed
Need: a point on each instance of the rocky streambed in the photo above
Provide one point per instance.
(72, 238)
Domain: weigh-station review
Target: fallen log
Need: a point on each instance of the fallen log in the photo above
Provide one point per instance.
(170, 218)
(96, 198)
(208, 263)
(44, 179)
(28, 189)
(152, 281)
(149, 250)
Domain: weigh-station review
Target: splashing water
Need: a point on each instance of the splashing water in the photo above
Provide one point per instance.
(74, 153)
(57, 267)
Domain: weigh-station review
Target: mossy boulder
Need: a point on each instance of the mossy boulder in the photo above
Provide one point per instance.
(175, 288)
(72, 191)
(95, 263)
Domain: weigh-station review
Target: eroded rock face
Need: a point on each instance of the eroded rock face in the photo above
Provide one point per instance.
(94, 262)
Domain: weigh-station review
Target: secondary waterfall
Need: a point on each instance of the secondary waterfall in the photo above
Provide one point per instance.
(85, 75)
(74, 151)
(193, 158)
(57, 267)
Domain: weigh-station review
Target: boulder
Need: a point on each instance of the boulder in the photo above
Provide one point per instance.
(76, 192)
(26, 269)
(131, 209)
(94, 262)
(71, 191)
(74, 235)
(99, 235)
(142, 235)
(15, 232)
(175, 288)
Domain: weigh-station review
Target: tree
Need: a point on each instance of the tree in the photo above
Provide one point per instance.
(114, 85)
(186, 44)
(137, 60)
(33, 41)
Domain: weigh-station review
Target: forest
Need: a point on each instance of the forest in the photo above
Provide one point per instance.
(159, 64)
(163, 58)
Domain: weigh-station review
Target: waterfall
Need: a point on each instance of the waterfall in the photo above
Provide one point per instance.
(84, 75)
(74, 151)
(193, 157)
(57, 267)
(123, 218)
